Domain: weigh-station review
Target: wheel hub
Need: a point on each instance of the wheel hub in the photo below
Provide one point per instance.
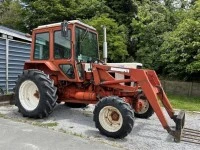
(142, 105)
(110, 118)
(115, 116)
(37, 94)
(29, 95)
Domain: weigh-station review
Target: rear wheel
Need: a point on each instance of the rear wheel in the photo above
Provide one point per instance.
(76, 105)
(113, 117)
(35, 94)
(146, 110)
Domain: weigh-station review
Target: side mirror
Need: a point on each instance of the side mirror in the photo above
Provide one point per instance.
(64, 28)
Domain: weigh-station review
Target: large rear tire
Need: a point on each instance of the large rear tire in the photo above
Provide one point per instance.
(35, 94)
(113, 117)
(147, 110)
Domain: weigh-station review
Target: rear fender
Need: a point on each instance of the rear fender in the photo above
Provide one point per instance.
(41, 66)
(48, 67)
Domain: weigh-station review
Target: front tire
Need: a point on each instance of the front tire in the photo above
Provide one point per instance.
(147, 110)
(35, 94)
(113, 117)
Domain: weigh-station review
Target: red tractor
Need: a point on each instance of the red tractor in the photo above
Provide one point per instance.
(64, 67)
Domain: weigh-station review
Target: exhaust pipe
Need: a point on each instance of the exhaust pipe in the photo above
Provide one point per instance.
(105, 52)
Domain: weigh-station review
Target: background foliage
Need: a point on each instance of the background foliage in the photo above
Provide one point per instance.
(164, 35)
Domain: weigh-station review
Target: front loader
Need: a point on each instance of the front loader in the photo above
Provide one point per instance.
(64, 67)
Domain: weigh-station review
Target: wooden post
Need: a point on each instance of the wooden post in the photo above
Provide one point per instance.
(7, 100)
(190, 89)
(163, 84)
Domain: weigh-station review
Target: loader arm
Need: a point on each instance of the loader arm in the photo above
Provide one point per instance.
(148, 81)
(152, 88)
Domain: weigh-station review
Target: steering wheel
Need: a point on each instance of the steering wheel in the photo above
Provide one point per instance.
(70, 72)
(98, 60)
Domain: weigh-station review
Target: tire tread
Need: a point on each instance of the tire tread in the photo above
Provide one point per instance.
(123, 107)
(48, 93)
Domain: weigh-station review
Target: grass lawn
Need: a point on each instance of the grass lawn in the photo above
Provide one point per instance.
(185, 103)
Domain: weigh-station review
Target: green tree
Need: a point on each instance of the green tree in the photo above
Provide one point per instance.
(116, 37)
(50, 11)
(153, 20)
(39, 12)
(11, 15)
(181, 47)
(122, 11)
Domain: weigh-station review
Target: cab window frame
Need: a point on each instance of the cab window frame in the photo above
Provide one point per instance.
(69, 30)
(61, 66)
(34, 57)
(76, 43)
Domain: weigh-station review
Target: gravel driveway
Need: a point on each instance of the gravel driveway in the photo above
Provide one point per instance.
(147, 134)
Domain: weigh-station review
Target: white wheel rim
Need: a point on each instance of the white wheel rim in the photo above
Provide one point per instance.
(145, 106)
(110, 119)
(29, 95)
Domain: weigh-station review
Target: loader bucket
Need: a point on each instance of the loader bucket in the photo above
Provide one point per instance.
(180, 122)
(184, 134)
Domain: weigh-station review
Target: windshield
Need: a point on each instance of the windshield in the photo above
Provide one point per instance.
(86, 45)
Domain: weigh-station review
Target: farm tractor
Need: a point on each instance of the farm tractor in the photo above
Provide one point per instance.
(65, 67)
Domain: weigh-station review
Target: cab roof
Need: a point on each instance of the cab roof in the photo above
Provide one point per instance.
(69, 22)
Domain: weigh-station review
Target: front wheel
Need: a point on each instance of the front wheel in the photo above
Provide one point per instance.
(146, 111)
(113, 117)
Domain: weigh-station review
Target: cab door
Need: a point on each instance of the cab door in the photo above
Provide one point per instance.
(62, 54)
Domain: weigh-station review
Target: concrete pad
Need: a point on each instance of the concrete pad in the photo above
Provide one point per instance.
(21, 136)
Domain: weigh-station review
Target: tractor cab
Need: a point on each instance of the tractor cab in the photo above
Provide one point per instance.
(63, 48)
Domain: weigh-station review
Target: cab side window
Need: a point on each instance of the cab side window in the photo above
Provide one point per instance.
(41, 48)
(62, 45)
(68, 70)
